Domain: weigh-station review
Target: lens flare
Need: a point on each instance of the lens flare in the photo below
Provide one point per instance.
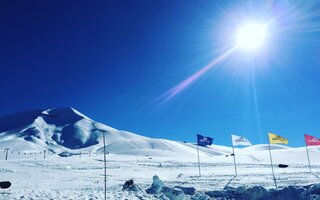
(188, 81)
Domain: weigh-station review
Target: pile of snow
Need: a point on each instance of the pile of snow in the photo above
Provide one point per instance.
(261, 193)
(160, 191)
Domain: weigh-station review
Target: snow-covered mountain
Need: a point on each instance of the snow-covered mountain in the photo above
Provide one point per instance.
(66, 129)
(50, 129)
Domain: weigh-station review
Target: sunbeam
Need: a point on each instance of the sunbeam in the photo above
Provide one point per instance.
(191, 79)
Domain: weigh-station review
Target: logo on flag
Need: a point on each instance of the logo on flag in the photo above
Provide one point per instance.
(239, 140)
(311, 141)
(276, 139)
(203, 141)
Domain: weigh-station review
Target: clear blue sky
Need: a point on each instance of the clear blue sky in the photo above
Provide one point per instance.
(113, 61)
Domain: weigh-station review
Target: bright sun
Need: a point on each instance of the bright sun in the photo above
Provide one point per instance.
(251, 36)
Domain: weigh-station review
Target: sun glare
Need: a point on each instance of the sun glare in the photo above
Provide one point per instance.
(251, 36)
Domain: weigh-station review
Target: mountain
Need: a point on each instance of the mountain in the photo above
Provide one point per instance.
(66, 129)
(51, 129)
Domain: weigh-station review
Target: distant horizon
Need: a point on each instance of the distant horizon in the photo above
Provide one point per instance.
(151, 136)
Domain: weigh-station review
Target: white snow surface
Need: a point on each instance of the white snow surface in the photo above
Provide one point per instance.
(75, 177)
(131, 156)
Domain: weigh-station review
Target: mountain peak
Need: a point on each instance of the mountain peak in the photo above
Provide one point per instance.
(66, 127)
(56, 116)
(61, 111)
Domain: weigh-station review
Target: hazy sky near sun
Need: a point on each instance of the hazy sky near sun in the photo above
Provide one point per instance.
(115, 61)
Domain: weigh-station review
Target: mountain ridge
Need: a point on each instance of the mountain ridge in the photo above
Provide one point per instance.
(66, 129)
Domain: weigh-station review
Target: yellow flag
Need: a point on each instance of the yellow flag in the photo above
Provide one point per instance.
(276, 139)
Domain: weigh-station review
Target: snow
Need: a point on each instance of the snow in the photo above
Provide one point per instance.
(65, 129)
(160, 169)
(156, 186)
(263, 147)
(75, 177)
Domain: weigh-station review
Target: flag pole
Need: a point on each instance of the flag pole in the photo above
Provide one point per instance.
(198, 159)
(274, 179)
(308, 157)
(105, 166)
(234, 161)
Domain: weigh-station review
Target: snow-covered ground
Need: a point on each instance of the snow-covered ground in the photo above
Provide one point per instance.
(27, 135)
(34, 177)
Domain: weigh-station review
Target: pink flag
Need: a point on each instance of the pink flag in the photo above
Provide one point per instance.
(311, 141)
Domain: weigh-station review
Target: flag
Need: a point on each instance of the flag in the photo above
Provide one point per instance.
(203, 141)
(239, 140)
(311, 141)
(276, 139)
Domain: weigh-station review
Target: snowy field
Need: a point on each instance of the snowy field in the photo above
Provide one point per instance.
(27, 135)
(76, 177)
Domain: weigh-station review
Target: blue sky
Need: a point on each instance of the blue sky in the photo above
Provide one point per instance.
(116, 60)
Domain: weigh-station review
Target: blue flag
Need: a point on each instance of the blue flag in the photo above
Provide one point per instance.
(203, 141)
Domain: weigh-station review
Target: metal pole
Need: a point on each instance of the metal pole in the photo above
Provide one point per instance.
(308, 158)
(274, 179)
(44, 154)
(105, 166)
(7, 149)
(234, 160)
(198, 159)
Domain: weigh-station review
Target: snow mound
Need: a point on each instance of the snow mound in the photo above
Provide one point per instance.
(261, 193)
(158, 189)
